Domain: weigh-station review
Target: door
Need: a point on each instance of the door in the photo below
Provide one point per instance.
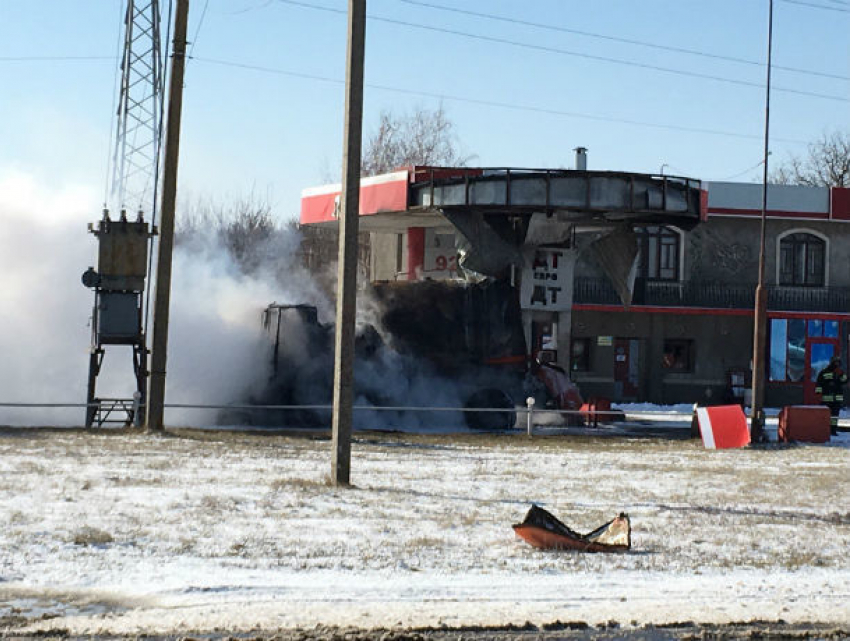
(818, 353)
(544, 337)
(626, 369)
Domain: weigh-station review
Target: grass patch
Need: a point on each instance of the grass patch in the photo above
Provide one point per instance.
(282, 484)
(215, 503)
(91, 536)
(422, 542)
(239, 548)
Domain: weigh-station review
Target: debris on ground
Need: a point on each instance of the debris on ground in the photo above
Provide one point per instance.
(543, 530)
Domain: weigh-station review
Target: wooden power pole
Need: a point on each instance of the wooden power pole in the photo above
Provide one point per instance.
(162, 298)
(757, 432)
(346, 297)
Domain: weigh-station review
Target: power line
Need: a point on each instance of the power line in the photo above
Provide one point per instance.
(814, 5)
(577, 54)
(157, 165)
(198, 30)
(114, 112)
(498, 104)
(602, 36)
(52, 58)
(741, 173)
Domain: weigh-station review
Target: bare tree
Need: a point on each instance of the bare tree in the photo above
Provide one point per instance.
(424, 137)
(827, 164)
(242, 227)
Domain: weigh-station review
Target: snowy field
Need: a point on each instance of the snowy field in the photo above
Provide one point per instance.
(193, 532)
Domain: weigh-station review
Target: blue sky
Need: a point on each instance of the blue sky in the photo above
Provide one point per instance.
(276, 133)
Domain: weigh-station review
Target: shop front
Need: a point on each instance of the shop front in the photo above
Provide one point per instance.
(800, 347)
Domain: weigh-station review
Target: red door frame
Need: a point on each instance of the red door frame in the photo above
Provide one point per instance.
(622, 367)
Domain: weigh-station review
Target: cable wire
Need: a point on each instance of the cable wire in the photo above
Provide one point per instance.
(114, 115)
(741, 173)
(491, 103)
(601, 36)
(155, 208)
(53, 58)
(567, 52)
(816, 6)
(198, 30)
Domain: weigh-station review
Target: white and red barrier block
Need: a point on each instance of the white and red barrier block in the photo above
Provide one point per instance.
(723, 427)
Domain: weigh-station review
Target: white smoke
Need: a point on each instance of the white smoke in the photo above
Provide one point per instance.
(217, 349)
(44, 311)
(218, 352)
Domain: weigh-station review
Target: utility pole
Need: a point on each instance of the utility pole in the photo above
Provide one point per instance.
(346, 293)
(757, 433)
(159, 351)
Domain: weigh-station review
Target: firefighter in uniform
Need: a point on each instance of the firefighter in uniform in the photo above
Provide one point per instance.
(830, 385)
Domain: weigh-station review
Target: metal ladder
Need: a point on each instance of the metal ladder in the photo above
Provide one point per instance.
(108, 407)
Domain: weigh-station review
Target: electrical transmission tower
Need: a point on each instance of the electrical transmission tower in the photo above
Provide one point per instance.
(119, 316)
(137, 140)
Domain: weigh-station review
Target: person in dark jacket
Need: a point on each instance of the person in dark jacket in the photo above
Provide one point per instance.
(830, 385)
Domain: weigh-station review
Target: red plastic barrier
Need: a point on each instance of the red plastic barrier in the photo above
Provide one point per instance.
(723, 427)
(599, 409)
(804, 423)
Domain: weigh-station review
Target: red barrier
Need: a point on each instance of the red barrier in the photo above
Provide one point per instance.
(805, 423)
(723, 427)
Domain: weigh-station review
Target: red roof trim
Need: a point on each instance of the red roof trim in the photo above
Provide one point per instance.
(706, 311)
(384, 193)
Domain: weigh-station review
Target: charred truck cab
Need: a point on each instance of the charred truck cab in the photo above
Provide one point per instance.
(449, 334)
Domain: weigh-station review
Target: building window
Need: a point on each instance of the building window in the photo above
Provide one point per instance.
(658, 253)
(788, 339)
(580, 355)
(678, 355)
(399, 253)
(801, 260)
(787, 350)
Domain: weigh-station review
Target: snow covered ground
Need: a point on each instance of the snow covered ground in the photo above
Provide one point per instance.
(195, 531)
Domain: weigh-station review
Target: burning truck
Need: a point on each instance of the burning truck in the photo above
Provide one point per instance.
(444, 344)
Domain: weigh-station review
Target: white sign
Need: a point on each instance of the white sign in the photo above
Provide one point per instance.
(440, 255)
(547, 282)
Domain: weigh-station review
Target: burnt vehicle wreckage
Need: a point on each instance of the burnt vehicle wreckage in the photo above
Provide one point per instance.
(517, 235)
(440, 335)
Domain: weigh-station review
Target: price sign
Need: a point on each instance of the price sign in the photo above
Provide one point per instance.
(548, 282)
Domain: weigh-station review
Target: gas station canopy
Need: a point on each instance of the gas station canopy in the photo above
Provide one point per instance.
(432, 196)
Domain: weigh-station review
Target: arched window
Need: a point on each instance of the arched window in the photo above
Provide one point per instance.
(659, 251)
(802, 260)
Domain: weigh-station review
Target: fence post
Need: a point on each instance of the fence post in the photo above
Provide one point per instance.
(137, 401)
(530, 403)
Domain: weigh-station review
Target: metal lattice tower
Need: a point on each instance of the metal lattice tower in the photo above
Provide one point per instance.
(119, 313)
(137, 140)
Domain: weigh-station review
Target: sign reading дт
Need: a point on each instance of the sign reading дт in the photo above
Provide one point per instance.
(547, 280)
